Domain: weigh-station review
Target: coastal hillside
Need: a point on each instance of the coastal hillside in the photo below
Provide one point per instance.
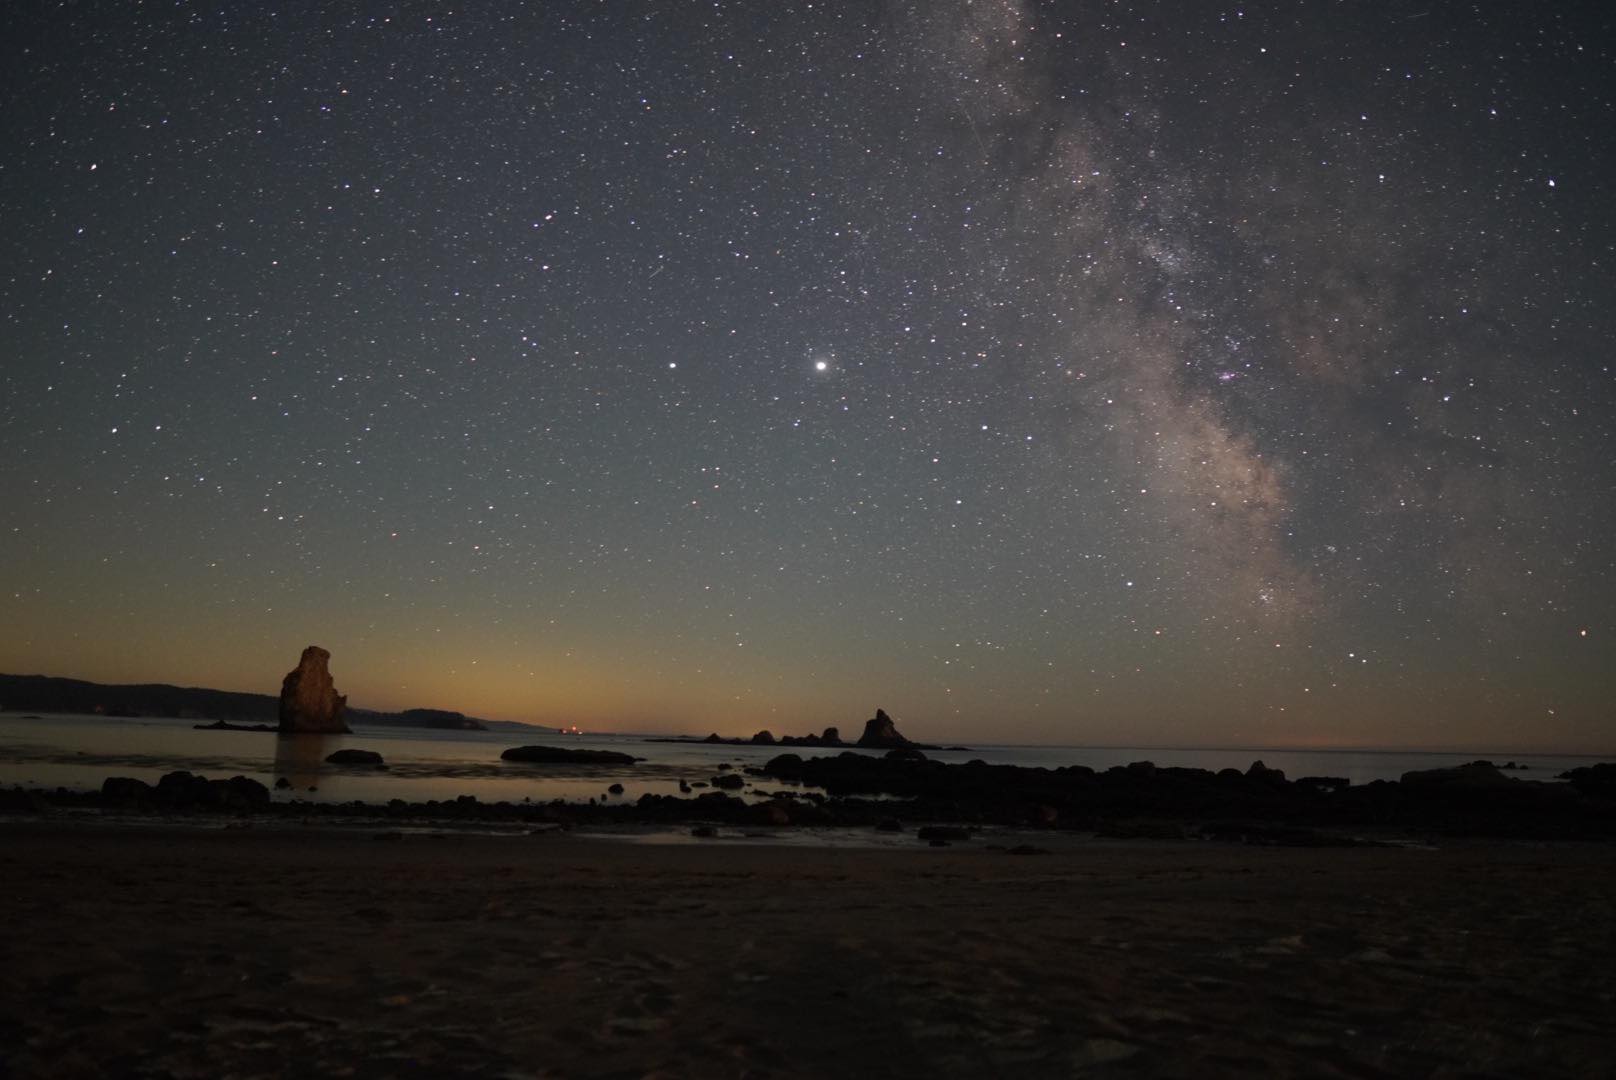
(47, 694)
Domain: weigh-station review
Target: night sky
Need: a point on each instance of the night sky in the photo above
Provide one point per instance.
(1095, 373)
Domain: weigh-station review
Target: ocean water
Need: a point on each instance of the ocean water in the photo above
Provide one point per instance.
(79, 752)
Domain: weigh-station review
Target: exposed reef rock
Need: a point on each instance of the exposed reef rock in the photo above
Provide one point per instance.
(222, 725)
(557, 755)
(880, 732)
(369, 758)
(309, 702)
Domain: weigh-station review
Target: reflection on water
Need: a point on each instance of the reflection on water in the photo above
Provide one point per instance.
(300, 758)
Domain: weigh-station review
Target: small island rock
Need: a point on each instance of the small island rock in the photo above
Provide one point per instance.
(881, 732)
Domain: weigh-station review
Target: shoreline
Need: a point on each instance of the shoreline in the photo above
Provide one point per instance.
(906, 792)
(262, 952)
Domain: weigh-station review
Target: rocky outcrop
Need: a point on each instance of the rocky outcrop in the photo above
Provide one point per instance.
(557, 755)
(309, 702)
(187, 791)
(1264, 775)
(125, 789)
(763, 738)
(1595, 780)
(1477, 774)
(880, 732)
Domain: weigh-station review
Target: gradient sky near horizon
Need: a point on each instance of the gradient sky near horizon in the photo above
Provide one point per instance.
(1141, 374)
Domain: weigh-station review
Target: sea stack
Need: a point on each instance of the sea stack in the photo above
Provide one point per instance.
(881, 732)
(309, 703)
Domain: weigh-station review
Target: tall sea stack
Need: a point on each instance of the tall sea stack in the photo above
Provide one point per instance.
(309, 703)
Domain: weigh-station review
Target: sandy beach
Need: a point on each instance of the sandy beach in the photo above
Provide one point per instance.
(281, 951)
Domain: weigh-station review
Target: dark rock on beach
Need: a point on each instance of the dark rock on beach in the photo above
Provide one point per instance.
(368, 758)
(1263, 774)
(1477, 774)
(126, 789)
(1596, 780)
(309, 701)
(729, 782)
(556, 755)
(184, 790)
(1325, 784)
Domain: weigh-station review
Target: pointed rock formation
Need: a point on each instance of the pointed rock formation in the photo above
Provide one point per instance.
(881, 732)
(309, 703)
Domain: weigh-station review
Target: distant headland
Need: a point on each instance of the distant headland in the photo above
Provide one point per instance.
(48, 694)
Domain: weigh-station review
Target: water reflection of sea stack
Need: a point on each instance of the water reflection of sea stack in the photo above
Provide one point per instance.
(298, 759)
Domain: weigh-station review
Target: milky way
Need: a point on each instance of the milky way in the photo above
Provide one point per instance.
(1087, 373)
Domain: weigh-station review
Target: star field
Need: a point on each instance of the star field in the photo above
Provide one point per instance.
(1104, 373)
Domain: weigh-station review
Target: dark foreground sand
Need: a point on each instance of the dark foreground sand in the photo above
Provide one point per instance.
(284, 952)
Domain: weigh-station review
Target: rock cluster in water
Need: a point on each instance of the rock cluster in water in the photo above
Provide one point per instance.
(881, 733)
(309, 702)
(558, 755)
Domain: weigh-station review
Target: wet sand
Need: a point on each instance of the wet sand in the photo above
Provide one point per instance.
(285, 952)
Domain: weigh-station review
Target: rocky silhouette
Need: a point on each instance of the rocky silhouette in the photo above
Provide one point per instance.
(309, 702)
(881, 732)
(366, 758)
(559, 755)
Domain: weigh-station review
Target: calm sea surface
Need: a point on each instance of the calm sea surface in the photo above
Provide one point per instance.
(78, 752)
